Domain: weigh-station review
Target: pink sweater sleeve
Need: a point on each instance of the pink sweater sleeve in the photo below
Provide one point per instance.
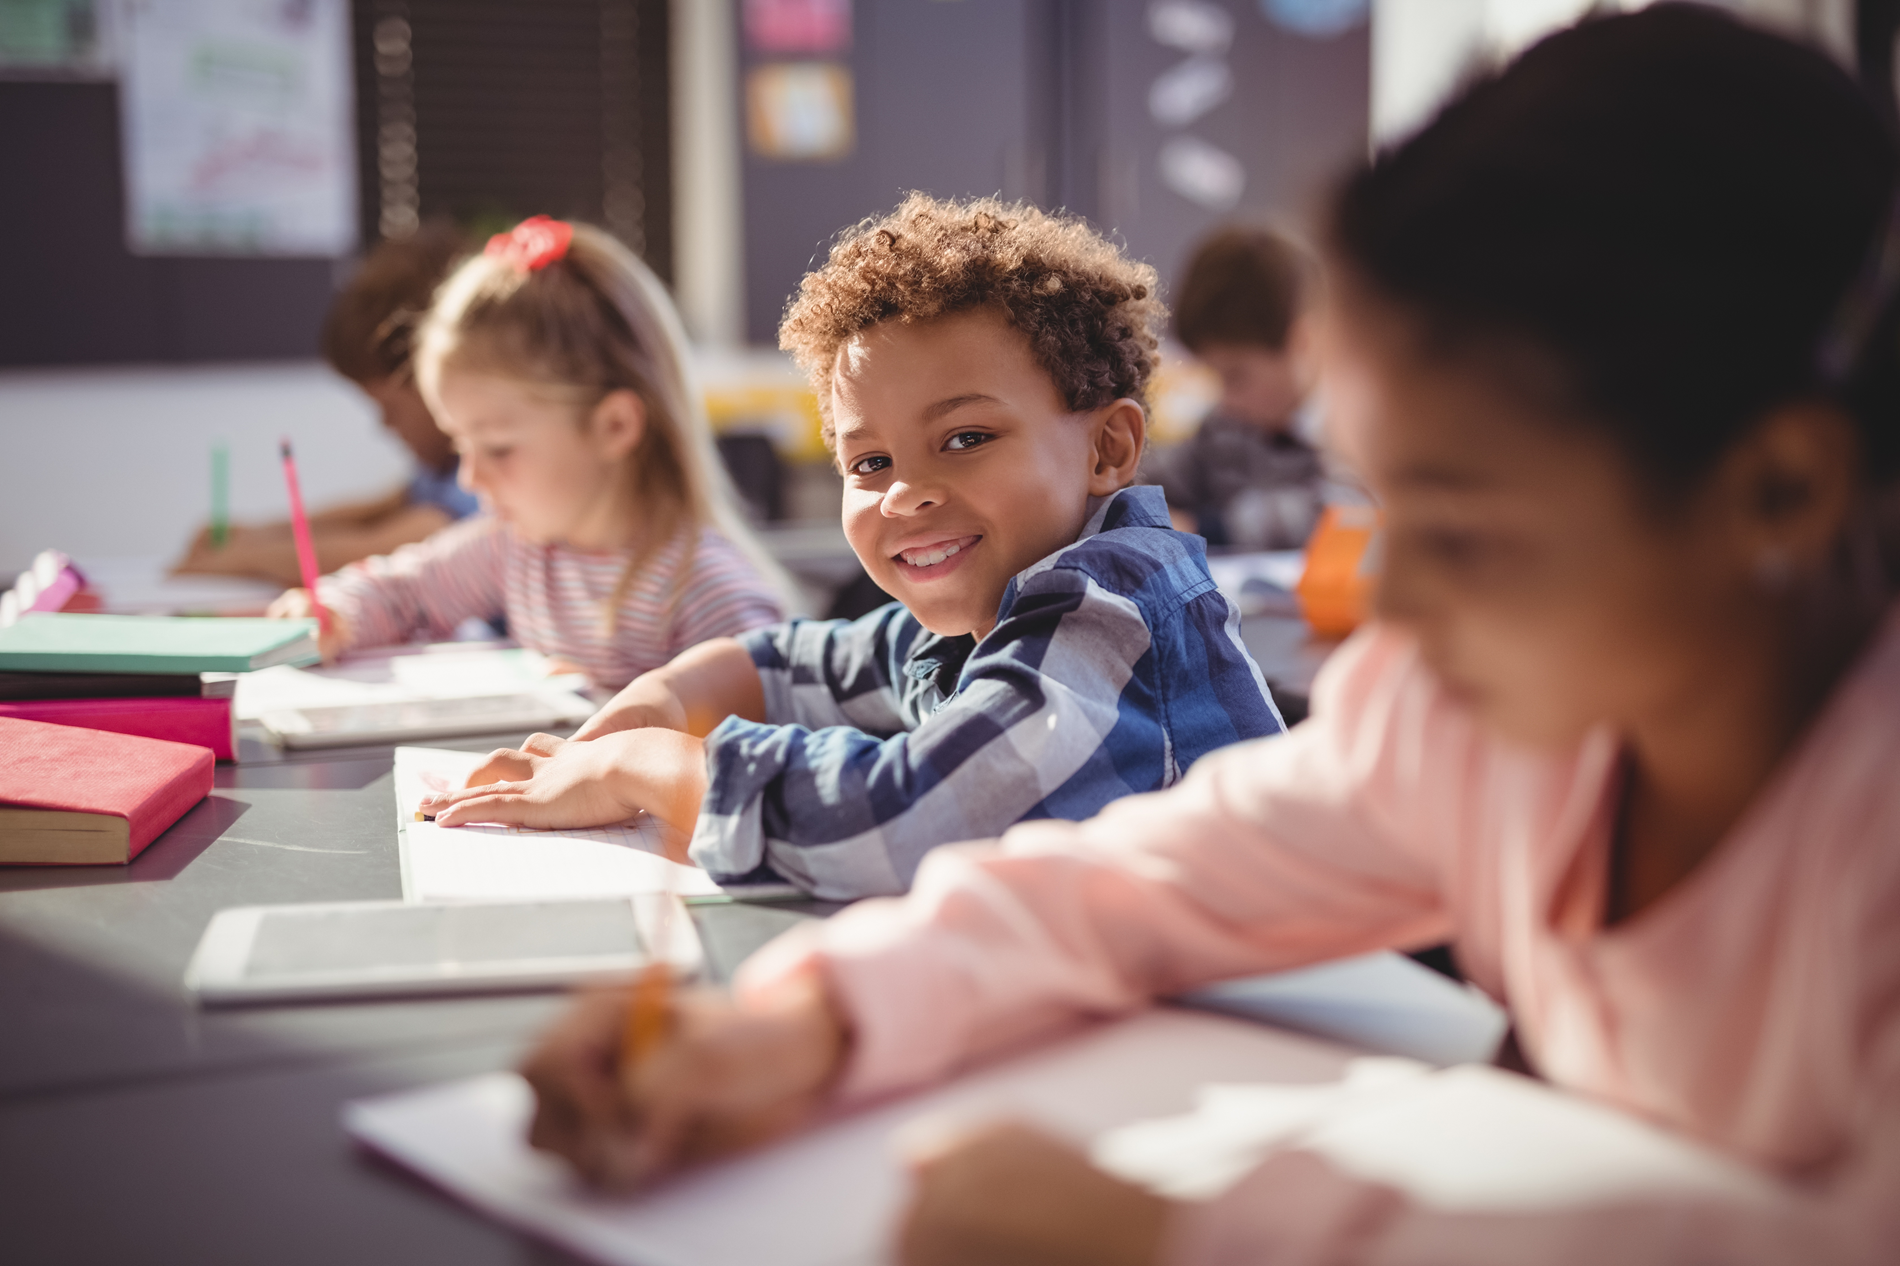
(1157, 894)
(431, 585)
(1345, 835)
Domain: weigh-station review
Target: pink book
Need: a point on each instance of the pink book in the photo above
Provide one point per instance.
(205, 722)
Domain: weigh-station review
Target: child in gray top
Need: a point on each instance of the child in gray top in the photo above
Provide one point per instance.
(1249, 478)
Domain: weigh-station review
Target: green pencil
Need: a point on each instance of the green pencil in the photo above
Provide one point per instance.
(220, 494)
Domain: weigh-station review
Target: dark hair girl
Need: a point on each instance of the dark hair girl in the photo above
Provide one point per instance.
(1612, 343)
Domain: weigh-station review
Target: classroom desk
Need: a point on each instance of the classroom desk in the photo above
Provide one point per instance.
(136, 1128)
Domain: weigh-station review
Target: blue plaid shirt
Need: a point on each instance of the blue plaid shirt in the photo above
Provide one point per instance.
(1114, 664)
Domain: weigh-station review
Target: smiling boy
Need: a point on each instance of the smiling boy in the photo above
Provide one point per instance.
(1054, 644)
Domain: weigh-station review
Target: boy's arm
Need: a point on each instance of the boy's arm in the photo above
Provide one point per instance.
(1340, 837)
(845, 808)
(695, 692)
(341, 535)
(356, 514)
(836, 669)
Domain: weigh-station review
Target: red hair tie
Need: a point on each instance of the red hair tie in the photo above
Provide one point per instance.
(532, 244)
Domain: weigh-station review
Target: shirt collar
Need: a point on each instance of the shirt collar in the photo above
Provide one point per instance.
(942, 658)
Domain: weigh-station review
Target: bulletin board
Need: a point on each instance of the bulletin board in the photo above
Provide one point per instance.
(238, 127)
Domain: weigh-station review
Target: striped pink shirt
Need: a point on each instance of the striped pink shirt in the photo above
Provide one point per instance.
(553, 596)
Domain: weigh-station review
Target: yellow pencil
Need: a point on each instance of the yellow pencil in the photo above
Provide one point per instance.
(646, 1016)
(647, 1013)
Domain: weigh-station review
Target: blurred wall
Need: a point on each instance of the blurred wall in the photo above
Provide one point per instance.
(482, 110)
(117, 462)
(1054, 101)
(70, 292)
(1423, 49)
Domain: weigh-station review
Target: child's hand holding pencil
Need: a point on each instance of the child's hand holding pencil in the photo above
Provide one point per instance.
(333, 635)
(634, 1084)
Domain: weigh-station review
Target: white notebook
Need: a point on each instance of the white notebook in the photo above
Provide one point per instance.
(1464, 1138)
(406, 674)
(482, 863)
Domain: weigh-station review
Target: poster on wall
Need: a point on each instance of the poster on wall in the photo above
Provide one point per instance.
(238, 127)
(797, 26)
(800, 111)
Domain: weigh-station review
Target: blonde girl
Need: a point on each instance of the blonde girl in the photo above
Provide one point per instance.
(555, 363)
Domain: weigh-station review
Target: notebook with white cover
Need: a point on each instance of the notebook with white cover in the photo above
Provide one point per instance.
(484, 863)
(406, 674)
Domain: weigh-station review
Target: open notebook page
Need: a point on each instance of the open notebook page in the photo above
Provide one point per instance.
(1469, 1137)
(830, 1196)
(476, 863)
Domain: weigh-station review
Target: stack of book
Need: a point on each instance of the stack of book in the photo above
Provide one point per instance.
(109, 724)
(166, 678)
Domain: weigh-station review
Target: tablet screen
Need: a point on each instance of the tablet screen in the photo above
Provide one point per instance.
(443, 938)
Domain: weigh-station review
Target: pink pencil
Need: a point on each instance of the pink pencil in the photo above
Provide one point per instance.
(300, 528)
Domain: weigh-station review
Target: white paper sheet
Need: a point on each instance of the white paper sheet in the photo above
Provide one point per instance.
(1381, 1002)
(444, 670)
(479, 863)
(829, 1197)
(1471, 1138)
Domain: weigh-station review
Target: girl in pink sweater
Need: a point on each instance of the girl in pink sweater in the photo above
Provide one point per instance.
(609, 540)
(1616, 342)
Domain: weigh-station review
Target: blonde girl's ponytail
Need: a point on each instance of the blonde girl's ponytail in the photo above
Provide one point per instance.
(574, 321)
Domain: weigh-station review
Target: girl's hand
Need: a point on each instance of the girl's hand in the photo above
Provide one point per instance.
(1009, 1195)
(554, 783)
(727, 1077)
(295, 604)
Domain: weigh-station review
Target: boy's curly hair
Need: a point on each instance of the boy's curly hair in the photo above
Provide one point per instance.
(1092, 316)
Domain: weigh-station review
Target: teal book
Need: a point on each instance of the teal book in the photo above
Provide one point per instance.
(59, 643)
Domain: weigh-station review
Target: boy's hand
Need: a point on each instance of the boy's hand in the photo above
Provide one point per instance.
(555, 783)
(728, 1077)
(295, 604)
(1007, 1195)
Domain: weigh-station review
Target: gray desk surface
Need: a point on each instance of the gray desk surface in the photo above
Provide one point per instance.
(136, 1128)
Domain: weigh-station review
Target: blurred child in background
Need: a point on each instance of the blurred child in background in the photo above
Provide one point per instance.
(366, 338)
(1250, 476)
(555, 363)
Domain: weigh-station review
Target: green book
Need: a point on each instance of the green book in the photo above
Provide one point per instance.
(43, 642)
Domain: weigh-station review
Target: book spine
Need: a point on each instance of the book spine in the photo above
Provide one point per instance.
(207, 723)
(156, 815)
(20, 686)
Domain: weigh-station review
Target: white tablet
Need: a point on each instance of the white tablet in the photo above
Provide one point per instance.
(369, 949)
(341, 725)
